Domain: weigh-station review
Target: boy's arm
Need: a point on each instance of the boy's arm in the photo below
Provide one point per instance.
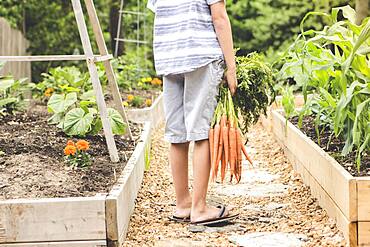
(222, 26)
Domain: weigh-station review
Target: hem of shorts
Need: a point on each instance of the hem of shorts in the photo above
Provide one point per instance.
(198, 136)
(175, 139)
(191, 137)
(166, 73)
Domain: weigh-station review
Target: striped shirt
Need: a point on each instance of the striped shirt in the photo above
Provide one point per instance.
(184, 36)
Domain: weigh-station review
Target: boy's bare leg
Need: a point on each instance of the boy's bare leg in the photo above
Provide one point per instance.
(201, 170)
(179, 166)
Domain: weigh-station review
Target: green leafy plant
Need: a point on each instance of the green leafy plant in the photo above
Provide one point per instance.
(62, 80)
(77, 114)
(12, 93)
(333, 66)
(255, 88)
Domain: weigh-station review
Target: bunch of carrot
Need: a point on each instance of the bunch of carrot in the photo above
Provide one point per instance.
(225, 138)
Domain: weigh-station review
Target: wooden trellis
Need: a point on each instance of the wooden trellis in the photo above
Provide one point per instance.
(91, 60)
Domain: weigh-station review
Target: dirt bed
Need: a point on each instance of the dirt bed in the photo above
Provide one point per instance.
(293, 212)
(32, 160)
(334, 148)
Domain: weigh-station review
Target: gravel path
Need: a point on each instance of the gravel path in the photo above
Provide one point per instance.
(276, 208)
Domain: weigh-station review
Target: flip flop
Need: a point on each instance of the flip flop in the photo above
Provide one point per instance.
(179, 219)
(220, 220)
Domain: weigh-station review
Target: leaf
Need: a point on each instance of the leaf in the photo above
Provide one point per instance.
(59, 103)
(6, 101)
(117, 124)
(6, 82)
(77, 122)
(56, 118)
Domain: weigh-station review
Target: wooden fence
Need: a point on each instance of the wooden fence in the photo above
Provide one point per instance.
(13, 43)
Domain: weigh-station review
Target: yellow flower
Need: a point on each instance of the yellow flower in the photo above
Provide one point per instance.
(149, 79)
(130, 97)
(148, 102)
(125, 104)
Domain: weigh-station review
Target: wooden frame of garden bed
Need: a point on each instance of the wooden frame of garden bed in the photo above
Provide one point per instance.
(82, 221)
(154, 114)
(344, 197)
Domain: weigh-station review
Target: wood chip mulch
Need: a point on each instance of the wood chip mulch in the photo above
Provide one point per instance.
(150, 226)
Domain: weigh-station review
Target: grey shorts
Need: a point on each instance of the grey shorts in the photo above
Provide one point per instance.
(190, 102)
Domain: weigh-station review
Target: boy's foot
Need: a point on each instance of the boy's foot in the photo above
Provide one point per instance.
(212, 216)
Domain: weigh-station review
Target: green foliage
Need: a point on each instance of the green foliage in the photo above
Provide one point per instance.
(254, 90)
(12, 94)
(130, 69)
(333, 65)
(269, 26)
(77, 114)
(62, 80)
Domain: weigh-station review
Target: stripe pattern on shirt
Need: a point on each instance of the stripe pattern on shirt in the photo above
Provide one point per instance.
(184, 35)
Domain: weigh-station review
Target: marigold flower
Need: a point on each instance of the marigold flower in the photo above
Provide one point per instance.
(130, 97)
(70, 143)
(70, 150)
(125, 104)
(48, 92)
(82, 145)
(148, 102)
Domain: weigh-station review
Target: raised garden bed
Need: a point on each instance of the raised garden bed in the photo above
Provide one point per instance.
(343, 196)
(154, 113)
(93, 207)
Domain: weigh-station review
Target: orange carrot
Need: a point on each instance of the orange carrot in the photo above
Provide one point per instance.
(220, 145)
(223, 165)
(215, 148)
(232, 149)
(246, 155)
(211, 138)
(239, 153)
(225, 137)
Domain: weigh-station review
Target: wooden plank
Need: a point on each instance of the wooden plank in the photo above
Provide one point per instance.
(121, 199)
(52, 220)
(86, 44)
(364, 234)
(333, 178)
(363, 194)
(112, 80)
(92, 243)
(41, 58)
(348, 228)
(12, 42)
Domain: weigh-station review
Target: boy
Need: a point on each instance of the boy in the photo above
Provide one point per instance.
(192, 44)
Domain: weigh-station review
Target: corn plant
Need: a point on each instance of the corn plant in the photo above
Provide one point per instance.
(333, 65)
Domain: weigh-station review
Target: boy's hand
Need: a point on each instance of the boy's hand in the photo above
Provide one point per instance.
(231, 80)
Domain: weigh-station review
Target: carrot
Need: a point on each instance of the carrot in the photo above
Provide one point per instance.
(220, 144)
(225, 137)
(216, 140)
(246, 155)
(223, 165)
(239, 153)
(232, 149)
(211, 138)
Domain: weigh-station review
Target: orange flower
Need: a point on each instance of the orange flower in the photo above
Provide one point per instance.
(82, 145)
(70, 150)
(130, 97)
(70, 143)
(48, 92)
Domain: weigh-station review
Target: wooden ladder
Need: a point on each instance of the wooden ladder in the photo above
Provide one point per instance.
(91, 60)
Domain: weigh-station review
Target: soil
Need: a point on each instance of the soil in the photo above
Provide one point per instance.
(335, 147)
(32, 160)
